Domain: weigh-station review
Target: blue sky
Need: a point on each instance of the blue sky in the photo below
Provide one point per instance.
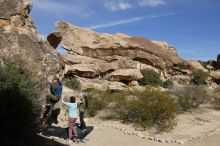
(192, 26)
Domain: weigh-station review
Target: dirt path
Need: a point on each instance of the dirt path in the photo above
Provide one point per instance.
(103, 136)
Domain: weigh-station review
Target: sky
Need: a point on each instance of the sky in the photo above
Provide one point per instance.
(191, 26)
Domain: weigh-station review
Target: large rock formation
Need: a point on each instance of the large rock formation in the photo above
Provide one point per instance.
(20, 42)
(114, 57)
(108, 46)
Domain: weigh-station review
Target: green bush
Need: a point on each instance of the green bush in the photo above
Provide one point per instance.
(189, 97)
(150, 78)
(19, 107)
(72, 83)
(217, 97)
(181, 66)
(167, 84)
(199, 77)
(147, 108)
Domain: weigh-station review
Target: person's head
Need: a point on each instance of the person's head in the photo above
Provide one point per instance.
(72, 99)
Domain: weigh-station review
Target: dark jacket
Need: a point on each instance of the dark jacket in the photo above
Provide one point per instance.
(56, 89)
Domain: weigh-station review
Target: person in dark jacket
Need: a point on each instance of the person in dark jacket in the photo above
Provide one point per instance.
(55, 92)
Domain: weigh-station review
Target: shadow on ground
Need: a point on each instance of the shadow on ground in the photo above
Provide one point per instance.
(33, 140)
(63, 132)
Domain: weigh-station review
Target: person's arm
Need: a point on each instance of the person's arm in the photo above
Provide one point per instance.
(66, 103)
(78, 101)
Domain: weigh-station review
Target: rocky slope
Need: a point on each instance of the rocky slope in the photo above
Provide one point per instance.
(98, 58)
(20, 42)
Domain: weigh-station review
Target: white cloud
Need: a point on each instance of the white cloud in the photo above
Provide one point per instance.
(151, 3)
(131, 20)
(59, 8)
(117, 6)
(119, 22)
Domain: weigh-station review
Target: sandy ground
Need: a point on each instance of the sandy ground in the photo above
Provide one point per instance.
(102, 136)
(193, 124)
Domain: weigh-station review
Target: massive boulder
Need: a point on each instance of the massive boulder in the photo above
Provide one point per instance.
(85, 42)
(195, 65)
(215, 75)
(20, 42)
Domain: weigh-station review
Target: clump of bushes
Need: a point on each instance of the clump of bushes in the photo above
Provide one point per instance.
(19, 107)
(217, 97)
(199, 77)
(189, 97)
(167, 84)
(72, 83)
(181, 66)
(150, 78)
(144, 108)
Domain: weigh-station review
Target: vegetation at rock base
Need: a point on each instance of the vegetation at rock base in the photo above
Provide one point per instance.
(19, 107)
(167, 84)
(199, 77)
(190, 97)
(72, 83)
(147, 108)
(181, 66)
(150, 78)
(217, 97)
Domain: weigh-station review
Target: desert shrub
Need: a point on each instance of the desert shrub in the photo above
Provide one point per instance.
(143, 108)
(190, 96)
(167, 84)
(199, 77)
(150, 78)
(96, 102)
(19, 107)
(217, 97)
(72, 83)
(181, 66)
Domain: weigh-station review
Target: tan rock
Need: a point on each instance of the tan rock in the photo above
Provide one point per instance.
(195, 65)
(20, 42)
(82, 70)
(165, 46)
(181, 79)
(96, 45)
(101, 84)
(215, 75)
(125, 75)
(133, 83)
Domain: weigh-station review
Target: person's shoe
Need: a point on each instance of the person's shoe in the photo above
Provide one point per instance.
(84, 130)
(83, 141)
(76, 140)
(70, 142)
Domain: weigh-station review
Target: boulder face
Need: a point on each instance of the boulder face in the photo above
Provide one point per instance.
(20, 42)
(85, 42)
(195, 65)
(215, 75)
(125, 75)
